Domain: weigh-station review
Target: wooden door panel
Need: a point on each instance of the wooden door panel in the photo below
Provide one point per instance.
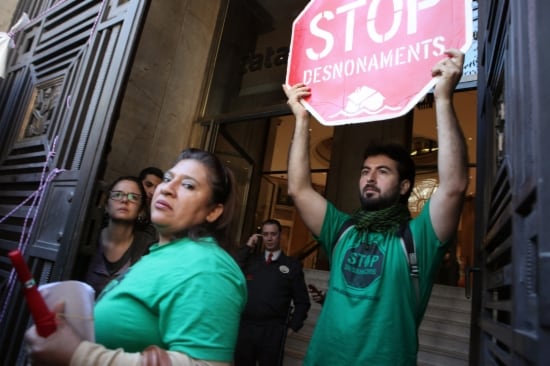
(512, 313)
(58, 107)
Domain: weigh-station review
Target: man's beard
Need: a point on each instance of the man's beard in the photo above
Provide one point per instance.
(381, 202)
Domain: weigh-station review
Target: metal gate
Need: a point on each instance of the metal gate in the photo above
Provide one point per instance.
(512, 287)
(58, 105)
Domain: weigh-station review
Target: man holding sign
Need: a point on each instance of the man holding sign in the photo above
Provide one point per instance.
(372, 310)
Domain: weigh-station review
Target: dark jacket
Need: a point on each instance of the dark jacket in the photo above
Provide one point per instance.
(101, 272)
(272, 287)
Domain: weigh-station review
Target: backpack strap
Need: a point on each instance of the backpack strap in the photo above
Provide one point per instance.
(343, 229)
(408, 246)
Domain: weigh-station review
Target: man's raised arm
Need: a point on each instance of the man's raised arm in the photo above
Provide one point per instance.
(310, 204)
(452, 158)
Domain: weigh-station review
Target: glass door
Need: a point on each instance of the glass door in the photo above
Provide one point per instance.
(257, 151)
(241, 146)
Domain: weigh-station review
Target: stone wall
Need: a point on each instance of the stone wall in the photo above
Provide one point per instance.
(7, 8)
(163, 94)
(165, 84)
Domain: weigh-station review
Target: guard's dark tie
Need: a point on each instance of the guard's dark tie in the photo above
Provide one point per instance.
(269, 258)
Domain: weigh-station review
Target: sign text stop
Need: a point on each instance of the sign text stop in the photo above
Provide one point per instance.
(369, 60)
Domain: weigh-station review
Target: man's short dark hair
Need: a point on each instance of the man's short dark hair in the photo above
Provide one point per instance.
(272, 222)
(150, 171)
(405, 164)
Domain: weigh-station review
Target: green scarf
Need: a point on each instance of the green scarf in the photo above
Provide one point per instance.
(388, 219)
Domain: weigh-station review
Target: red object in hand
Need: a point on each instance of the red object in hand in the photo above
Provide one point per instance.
(44, 319)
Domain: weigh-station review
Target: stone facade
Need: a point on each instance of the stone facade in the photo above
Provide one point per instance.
(164, 94)
(7, 8)
(164, 91)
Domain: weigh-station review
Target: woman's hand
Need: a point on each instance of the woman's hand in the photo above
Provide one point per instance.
(58, 347)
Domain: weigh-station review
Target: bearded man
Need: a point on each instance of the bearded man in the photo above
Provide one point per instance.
(372, 309)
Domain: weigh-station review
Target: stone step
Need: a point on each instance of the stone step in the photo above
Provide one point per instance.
(432, 357)
(446, 337)
(449, 291)
(446, 326)
(442, 313)
(445, 351)
(290, 360)
(455, 299)
(454, 303)
(295, 348)
(448, 343)
(298, 341)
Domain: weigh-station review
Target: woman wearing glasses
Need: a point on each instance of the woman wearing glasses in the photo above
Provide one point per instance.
(120, 243)
(181, 303)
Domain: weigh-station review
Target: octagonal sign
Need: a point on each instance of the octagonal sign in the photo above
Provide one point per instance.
(370, 60)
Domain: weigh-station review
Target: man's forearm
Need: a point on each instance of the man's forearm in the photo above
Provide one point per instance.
(452, 155)
(310, 204)
(298, 158)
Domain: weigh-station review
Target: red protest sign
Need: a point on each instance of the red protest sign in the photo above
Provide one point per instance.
(370, 60)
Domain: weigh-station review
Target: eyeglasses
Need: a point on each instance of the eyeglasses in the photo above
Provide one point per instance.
(119, 195)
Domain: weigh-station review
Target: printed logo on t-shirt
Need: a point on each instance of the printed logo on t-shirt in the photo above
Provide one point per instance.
(362, 265)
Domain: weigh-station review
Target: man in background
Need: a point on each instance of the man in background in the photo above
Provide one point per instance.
(150, 178)
(274, 281)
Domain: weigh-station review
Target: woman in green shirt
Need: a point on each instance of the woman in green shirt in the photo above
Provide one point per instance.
(184, 298)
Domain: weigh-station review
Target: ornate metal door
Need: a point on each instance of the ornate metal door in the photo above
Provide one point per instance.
(512, 287)
(58, 105)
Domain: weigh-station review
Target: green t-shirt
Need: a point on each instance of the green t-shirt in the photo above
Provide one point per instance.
(184, 296)
(370, 315)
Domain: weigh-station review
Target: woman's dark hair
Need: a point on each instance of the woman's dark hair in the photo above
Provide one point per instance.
(222, 184)
(405, 164)
(151, 171)
(136, 180)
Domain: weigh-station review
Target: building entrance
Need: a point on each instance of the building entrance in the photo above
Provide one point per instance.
(253, 128)
(256, 149)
